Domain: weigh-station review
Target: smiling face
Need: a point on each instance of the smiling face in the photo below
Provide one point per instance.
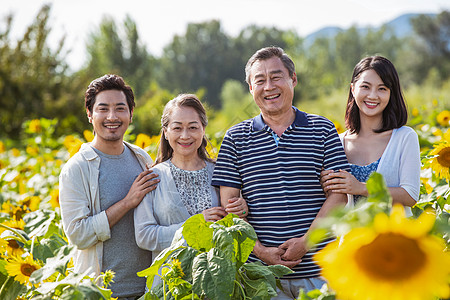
(272, 87)
(371, 94)
(184, 133)
(110, 118)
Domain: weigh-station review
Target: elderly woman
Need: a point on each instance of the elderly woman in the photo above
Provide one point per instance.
(185, 170)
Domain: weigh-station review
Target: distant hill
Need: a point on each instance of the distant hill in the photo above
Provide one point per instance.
(401, 26)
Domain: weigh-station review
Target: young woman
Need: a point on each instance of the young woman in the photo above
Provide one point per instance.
(376, 139)
(185, 171)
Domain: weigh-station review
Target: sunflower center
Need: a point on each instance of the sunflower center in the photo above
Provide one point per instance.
(13, 244)
(444, 157)
(27, 269)
(391, 257)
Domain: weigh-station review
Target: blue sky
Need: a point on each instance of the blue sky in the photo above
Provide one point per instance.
(158, 21)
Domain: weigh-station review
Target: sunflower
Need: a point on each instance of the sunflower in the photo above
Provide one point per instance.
(35, 126)
(394, 259)
(443, 118)
(14, 248)
(72, 144)
(177, 269)
(440, 162)
(21, 268)
(54, 200)
(13, 223)
(2, 147)
(88, 135)
(143, 140)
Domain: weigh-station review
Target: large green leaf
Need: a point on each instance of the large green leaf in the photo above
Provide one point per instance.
(45, 248)
(243, 234)
(74, 286)
(197, 233)
(58, 263)
(213, 275)
(224, 241)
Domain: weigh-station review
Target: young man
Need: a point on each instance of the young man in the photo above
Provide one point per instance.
(275, 160)
(101, 185)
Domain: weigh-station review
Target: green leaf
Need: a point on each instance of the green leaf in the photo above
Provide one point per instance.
(279, 270)
(74, 286)
(378, 192)
(197, 233)
(243, 234)
(45, 248)
(186, 258)
(213, 275)
(224, 241)
(58, 263)
(152, 271)
(11, 288)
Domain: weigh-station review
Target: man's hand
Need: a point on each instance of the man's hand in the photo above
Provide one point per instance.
(294, 248)
(273, 255)
(142, 185)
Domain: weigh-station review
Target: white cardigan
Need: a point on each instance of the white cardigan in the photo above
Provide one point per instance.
(400, 162)
(162, 212)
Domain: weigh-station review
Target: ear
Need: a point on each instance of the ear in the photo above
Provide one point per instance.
(352, 88)
(250, 88)
(131, 115)
(294, 79)
(88, 113)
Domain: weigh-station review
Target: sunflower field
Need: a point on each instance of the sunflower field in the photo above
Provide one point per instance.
(35, 257)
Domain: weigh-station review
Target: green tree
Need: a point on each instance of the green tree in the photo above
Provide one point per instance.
(198, 59)
(118, 50)
(32, 75)
(434, 54)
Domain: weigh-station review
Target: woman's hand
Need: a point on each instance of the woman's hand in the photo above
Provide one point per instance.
(237, 206)
(342, 182)
(214, 214)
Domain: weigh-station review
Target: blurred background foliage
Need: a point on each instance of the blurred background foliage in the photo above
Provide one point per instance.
(36, 82)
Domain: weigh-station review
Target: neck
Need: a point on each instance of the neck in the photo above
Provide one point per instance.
(108, 147)
(192, 163)
(278, 123)
(368, 125)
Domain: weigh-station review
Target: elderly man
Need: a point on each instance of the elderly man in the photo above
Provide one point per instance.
(275, 160)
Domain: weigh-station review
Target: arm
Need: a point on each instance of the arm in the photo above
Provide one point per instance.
(296, 248)
(230, 199)
(270, 255)
(149, 234)
(83, 227)
(334, 159)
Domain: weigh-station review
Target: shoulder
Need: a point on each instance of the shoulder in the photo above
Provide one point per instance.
(244, 126)
(317, 120)
(162, 168)
(210, 166)
(405, 132)
(80, 159)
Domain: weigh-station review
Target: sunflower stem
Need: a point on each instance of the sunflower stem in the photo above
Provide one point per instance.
(4, 287)
(19, 235)
(32, 245)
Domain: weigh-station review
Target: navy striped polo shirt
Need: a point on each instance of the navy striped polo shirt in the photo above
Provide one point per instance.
(281, 182)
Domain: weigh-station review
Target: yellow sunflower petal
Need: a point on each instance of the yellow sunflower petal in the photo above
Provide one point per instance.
(386, 262)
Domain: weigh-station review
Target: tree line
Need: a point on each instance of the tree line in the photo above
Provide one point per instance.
(35, 80)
